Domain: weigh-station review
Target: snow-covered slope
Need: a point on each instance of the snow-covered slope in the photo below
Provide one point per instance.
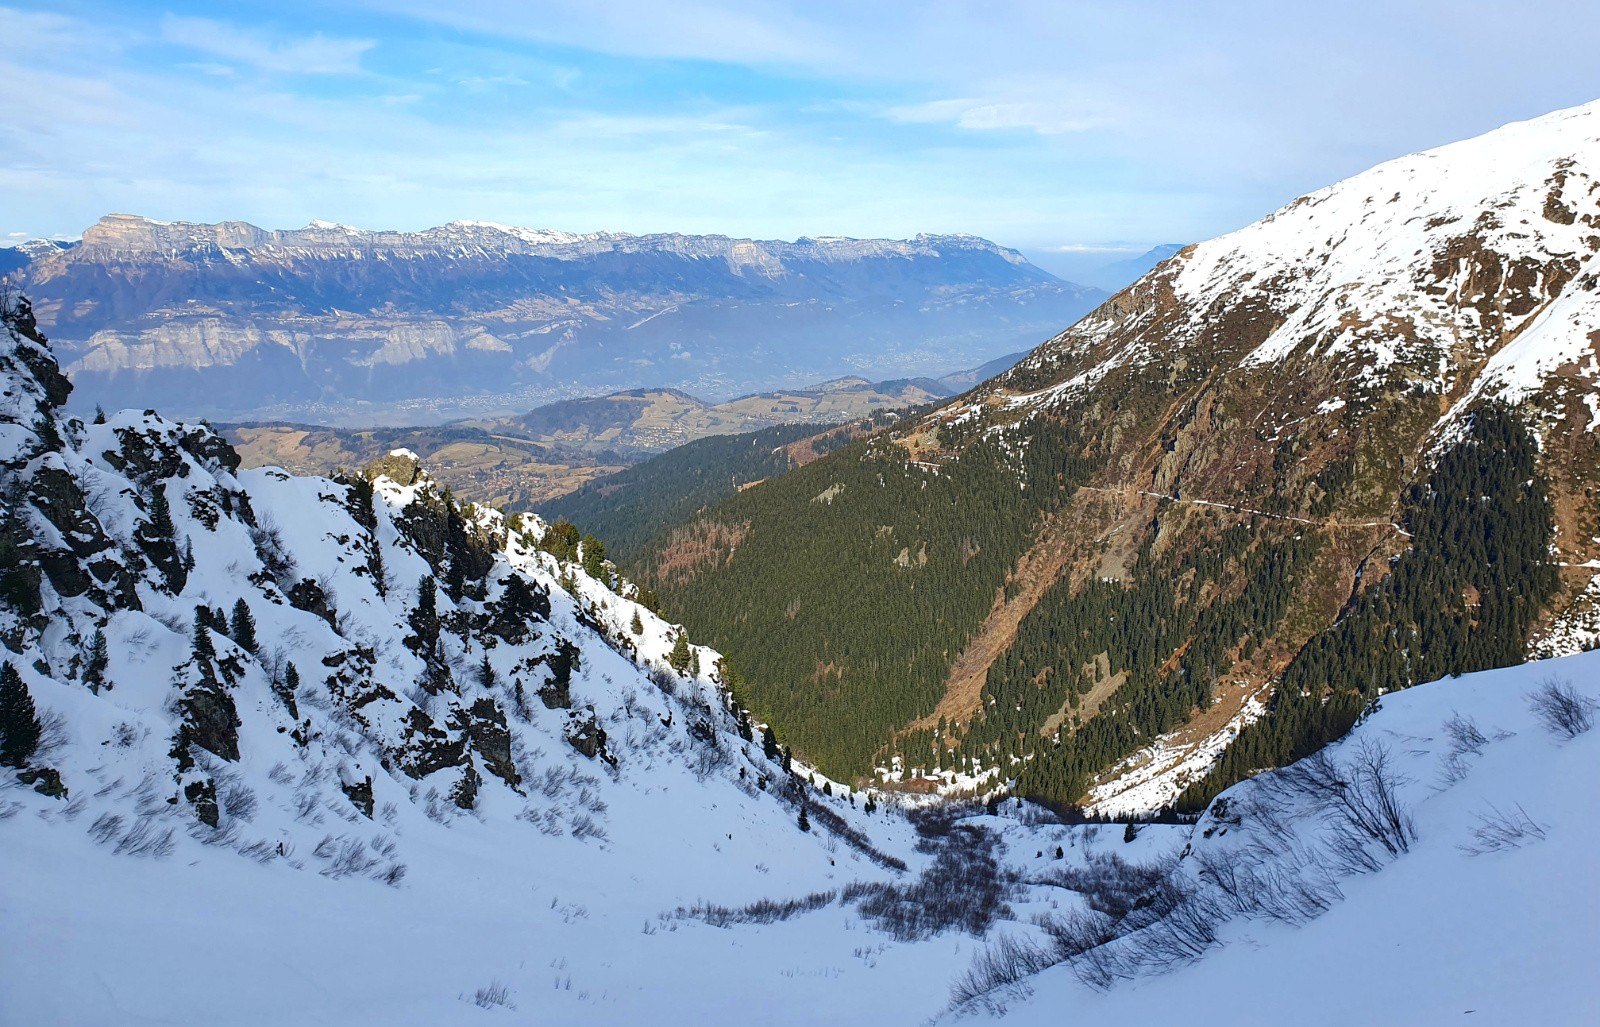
(1489, 915)
(371, 809)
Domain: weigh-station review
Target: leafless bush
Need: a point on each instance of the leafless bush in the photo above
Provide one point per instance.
(1004, 964)
(239, 801)
(1503, 829)
(493, 994)
(584, 826)
(963, 888)
(1361, 803)
(1291, 886)
(226, 836)
(125, 735)
(306, 806)
(142, 839)
(1464, 734)
(1174, 924)
(392, 875)
(1562, 710)
(105, 827)
(281, 774)
(272, 552)
(262, 852)
(762, 911)
(1108, 883)
(351, 858)
(52, 734)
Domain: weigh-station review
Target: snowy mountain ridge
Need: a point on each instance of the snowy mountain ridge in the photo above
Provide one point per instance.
(132, 237)
(1468, 270)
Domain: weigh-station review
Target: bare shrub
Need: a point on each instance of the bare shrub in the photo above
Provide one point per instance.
(1360, 802)
(239, 801)
(1174, 924)
(1464, 734)
(493, 994)
(1562, 710)
(1004, 964)
(1108, 883)
(762, 911)
(52, 734)
(584, 826)
(351, 858)
(1500, 829)
(105, 827)
(1291, 886)
(142, 839)
(963, 888)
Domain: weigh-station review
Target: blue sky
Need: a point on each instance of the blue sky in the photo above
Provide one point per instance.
(1070, 127)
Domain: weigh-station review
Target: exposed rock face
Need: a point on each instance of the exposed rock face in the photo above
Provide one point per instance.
(235, 321)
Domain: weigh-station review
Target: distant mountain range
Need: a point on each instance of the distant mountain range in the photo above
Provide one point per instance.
(332, 324)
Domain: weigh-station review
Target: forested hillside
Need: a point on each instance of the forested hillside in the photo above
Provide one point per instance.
(1291, 469)
(629, 509)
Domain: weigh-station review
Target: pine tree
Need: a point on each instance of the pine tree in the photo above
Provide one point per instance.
(594, 559)
(94, 672)
(486, 673)
(637, 625)
(788, 760)
(805, 822)
(204, 650)
(380, 577)
(161, 514)
(188, 554)
(678, 659)
(425, 618)
(244, 627)
(19, 723)
(99, 414)
(769, 743)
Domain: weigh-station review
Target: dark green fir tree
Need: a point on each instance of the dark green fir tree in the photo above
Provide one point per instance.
(19, 721)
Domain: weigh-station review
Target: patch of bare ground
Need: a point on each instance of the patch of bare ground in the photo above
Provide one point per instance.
(815, 447)
(1060, 541)
(692, 548)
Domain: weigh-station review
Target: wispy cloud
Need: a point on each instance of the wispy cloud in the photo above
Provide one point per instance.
(1042, 117)
(314, 54)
